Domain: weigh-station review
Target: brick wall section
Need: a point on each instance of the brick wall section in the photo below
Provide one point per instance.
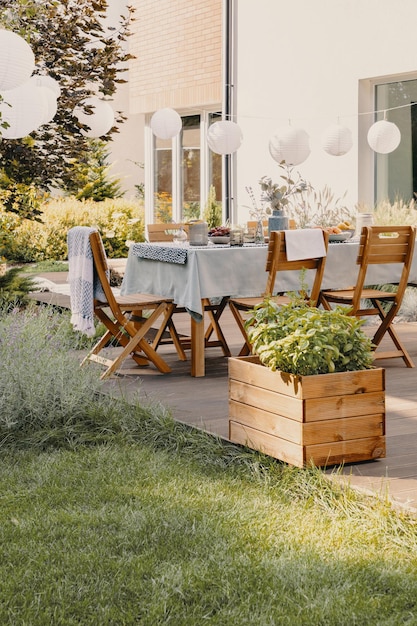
(178, 49)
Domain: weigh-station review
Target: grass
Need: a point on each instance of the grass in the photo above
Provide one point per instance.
(113, 513)
(138, 534)
(46, 266)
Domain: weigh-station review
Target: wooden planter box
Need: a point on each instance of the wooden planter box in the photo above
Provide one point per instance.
(328, 419)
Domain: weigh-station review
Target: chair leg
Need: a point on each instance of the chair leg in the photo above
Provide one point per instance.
(132, 341)
(174, 336)
(108, 335)
(246, 348)
(214, 316)
(386, 327)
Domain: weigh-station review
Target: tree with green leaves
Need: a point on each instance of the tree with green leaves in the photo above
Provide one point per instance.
(73, 45)
(92, 179)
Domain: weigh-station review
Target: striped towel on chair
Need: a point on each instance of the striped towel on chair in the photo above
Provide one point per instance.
(84, 284)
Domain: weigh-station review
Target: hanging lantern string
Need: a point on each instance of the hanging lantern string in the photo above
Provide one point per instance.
(375, 112)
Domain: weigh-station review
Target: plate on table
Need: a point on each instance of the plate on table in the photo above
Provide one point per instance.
(343, 236)
(224, 239)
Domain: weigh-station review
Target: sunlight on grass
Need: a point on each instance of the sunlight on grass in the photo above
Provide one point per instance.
(113, 513)
(133, 534)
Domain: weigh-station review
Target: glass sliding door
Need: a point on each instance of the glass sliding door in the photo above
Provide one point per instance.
(215, 163)
(183, 170)
(163, 190)
(396, 172)
(190, 168)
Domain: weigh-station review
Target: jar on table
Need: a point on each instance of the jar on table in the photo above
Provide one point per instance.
(363, 219)
(198, 233)
(236, 236)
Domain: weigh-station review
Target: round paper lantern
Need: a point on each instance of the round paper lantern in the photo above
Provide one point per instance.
(291, 145)
(224, 137)
(51, 104)
(17, 60)
(49, 82)
(384, 137)
(49, 94)
(100, 121)
(166, 123)
(24, 109)
(337, 140)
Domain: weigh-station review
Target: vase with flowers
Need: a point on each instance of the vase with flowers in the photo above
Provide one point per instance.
(258, 214)
(277, 196)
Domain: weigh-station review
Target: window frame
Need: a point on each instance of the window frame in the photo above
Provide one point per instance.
(176, 146)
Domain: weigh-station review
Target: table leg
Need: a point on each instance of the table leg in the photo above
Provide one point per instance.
(197, 348)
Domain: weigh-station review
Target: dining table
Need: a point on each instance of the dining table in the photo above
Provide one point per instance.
(190, 274)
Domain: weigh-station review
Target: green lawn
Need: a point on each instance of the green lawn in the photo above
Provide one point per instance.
(135, 534)
(112, 513)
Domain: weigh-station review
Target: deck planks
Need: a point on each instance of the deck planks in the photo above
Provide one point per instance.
(203, 403)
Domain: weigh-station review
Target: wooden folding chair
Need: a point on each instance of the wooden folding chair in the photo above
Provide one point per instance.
(277, 261)
(254, 223)
(165, 232)
(114, 313)
(379, 245)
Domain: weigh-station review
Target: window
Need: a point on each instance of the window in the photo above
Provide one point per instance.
(190, 173)
(396, 172)
(163, 180)
(183, 171)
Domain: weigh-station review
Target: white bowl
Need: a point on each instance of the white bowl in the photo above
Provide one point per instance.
(220, 239)
(343, 236)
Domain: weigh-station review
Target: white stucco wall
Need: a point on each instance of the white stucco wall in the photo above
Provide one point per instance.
(126, 147)
(302, 61)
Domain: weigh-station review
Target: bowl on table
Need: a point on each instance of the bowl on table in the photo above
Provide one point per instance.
(224, 239)
(343, 236)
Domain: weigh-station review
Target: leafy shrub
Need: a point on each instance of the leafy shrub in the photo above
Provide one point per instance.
(14, 289)
(300, 339)
(213, 209)
(398, 212)
(320, 207)
(26, 241)
(44, 394)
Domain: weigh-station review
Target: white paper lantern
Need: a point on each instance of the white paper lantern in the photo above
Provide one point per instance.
(337, 140)
(224, 137)
(17, 60)
(166, 123)
(100, 121)
(24, 109)
(49, 95)
(291, 145)
(51, 104)
(384, 137)
(47, 81)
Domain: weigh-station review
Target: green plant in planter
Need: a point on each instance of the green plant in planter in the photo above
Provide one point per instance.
(304, 340)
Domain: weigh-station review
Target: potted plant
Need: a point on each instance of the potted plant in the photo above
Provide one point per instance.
(277, 195)
(309, 394)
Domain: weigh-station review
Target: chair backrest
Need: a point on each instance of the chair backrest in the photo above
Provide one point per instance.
(102, 269)
(164, 232)
(253, 224)
(277, 262)
(380, 245)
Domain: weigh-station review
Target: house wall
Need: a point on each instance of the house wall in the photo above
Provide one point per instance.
(178, 45)
(312, 63)
(127, 146)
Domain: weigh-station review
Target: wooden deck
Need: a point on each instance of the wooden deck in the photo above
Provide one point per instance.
(203, 403)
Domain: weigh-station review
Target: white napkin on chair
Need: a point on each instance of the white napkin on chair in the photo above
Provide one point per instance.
(304, 243)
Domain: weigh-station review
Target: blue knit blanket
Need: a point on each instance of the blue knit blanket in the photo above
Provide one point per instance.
(83, 280)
